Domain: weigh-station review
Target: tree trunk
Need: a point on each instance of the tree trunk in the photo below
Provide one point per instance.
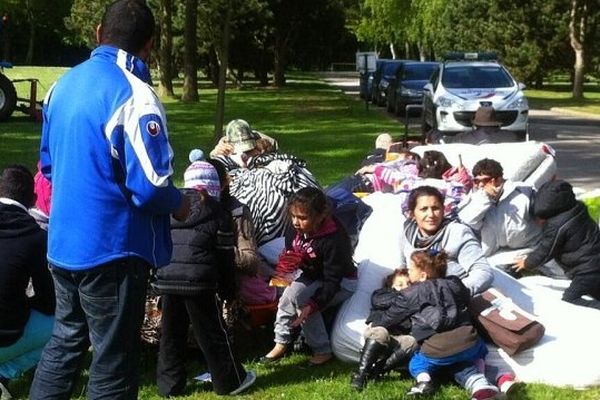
(393, 51)
(279, 60)
(190, 67)
(422, 53)
(577, 31)
(165, 87)
(407, 50)
(224, 59)
(31, 41)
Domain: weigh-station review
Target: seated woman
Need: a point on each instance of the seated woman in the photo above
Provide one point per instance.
(325, 276)
(428, 229)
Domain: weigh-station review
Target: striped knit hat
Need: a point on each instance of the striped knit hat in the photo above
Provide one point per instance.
(202, 175)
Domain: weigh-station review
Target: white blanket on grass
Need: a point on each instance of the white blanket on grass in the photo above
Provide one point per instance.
(567, 355)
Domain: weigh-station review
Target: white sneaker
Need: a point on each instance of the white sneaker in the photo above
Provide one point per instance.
(4, 393)
(248, 381)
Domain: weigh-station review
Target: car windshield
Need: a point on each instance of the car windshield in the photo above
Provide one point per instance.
(418, 72)
(470, 76)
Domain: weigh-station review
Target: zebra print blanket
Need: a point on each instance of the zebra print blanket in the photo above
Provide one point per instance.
(265, 187)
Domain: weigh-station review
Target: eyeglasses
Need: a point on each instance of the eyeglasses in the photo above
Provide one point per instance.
(482, 181)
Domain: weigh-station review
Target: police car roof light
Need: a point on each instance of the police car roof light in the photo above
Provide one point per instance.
(470, 56)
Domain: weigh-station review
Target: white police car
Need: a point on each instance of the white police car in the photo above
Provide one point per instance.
(463, 83)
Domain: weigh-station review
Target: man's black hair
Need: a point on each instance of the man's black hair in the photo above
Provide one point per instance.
(489, 167)
(16, 183)
(128, 25)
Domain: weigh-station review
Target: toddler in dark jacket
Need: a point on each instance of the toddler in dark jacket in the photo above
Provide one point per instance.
(199, 277)
(436, 307)
(572, 238)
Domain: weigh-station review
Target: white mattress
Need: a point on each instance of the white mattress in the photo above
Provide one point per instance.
(529, 162)
(568, 354)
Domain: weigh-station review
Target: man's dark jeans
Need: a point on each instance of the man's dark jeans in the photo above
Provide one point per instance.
(105, 306)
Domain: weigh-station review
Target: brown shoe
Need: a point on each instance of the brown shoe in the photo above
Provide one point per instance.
(320, 359)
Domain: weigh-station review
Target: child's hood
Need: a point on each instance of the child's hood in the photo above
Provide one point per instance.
(553, 198)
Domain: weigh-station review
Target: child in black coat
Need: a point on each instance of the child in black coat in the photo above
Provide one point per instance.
(572, 238)
(194, 284)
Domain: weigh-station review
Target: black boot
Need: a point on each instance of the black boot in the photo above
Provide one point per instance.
(398, 358)
(368, 356)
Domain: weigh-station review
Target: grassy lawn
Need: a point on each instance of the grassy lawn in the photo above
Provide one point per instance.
(559, 95)
(317, 123)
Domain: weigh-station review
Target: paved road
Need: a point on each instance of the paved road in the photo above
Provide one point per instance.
(576, 139)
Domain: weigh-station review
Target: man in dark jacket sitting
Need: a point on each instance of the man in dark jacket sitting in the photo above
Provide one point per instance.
(571, 237)
(486, 130)
(26, 318)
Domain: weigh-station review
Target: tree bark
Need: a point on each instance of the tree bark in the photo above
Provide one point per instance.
(279, 60)
(165, 87)
(190, 78)
(577, 31)
(31, 41)
(224, 59)
(422, 52)
(393, 51)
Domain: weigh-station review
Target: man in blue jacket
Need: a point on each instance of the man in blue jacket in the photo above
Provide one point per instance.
(106, 150)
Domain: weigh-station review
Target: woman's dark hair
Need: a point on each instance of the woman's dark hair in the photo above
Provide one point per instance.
(128, 25)
(312, 200)
(389, 280)
(434, 263)
(489, 167)
(16, 183)
(433, 164)
(422, 191)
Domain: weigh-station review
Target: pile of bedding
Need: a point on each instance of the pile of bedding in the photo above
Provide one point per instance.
(566, 355)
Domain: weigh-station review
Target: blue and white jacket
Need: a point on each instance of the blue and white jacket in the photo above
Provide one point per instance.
(105, 147)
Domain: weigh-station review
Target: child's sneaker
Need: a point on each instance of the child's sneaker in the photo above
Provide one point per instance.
(507, 384)
(248, 381)
(422, 388)
(484, 394)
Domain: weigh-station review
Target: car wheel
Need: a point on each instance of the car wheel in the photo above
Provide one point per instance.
(390, 106)
(400, 109)
(521, 136)
(425, 127)
(8, 98)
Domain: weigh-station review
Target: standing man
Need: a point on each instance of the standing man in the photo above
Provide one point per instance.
(106, 150)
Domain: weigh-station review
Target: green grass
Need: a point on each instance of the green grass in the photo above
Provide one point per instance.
(311, 120)
(559, 95)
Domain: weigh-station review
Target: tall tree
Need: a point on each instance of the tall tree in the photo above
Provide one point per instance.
(223, 61)
(584, 16)
(165, 87)
(190, 57)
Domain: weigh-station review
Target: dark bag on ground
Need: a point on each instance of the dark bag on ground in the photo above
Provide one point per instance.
(503, 323)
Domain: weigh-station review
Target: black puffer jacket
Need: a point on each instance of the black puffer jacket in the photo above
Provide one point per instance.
(381, 301)
(203, 254)
(432, 306)
(22, 257)
(569, 235)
